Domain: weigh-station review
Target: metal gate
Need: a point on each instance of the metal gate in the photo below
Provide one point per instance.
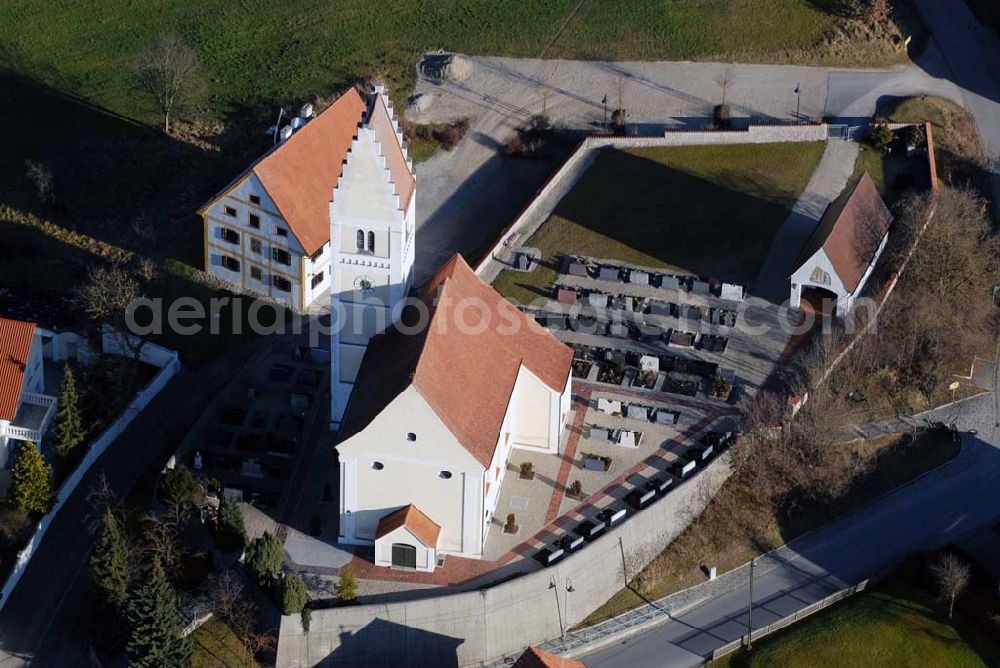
(838, 131)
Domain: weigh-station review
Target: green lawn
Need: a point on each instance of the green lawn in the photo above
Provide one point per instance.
(268, 50)
(707, 210)
(895, 625)
(216, 646)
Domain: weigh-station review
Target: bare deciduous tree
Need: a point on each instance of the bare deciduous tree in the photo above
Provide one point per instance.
(110, 297)
(40, 178)
(725, 80)
(876, 11)
(951, 575)
(168, 70)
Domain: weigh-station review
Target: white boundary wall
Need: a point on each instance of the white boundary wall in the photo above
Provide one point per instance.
(170, 365)
(490, 624)
(540, 208)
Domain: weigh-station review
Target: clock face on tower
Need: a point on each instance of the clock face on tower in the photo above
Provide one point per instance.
(364, 284)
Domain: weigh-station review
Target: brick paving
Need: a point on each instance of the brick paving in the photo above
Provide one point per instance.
(459, 570)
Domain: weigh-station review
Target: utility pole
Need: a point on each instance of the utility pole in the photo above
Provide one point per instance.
(753, 564)
(798, 103)
(605, 103)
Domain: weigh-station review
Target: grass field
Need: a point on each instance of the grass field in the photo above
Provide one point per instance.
(216, 646)
(734, 528)
(893, 625)
(707, 210)
(267, 51)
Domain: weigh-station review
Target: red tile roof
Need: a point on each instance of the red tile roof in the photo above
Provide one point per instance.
(300, 173)
(466, 373)
(536, 658)
(399, 168)
(476, 343)
(15, 347)
(850, 231)
(413, 519)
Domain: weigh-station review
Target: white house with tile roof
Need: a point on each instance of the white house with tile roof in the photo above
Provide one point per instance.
(435, 413)
(839, 257)
(25, 411)
(372, 220)
(268, 231)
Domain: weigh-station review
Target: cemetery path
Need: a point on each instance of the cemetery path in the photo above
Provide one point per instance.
(829, 179)
(939, 507)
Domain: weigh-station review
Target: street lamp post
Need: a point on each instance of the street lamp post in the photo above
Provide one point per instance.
(605, 103)
(798, 102)
(753, 564)
(569, 590)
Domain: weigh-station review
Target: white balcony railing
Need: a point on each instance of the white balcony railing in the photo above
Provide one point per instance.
(22, 434)
(36, 424)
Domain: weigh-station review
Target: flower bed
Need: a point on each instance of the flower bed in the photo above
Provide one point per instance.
(681, 385)
(612, 373)
(645, 379)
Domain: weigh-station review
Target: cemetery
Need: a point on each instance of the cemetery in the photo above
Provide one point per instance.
(249, 446)
(681, 210)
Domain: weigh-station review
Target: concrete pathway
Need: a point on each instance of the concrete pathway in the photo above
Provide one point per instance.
(827, 182)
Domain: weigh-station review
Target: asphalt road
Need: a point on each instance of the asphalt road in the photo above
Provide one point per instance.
(972, 57)
(38, 624)
(932, 511)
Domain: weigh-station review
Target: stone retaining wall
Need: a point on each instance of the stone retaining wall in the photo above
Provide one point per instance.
(490, 624)
(540, 208)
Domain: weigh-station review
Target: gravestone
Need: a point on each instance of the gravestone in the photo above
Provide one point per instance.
(670, 283)
(608, 274)
(649, 363)
(637, 277)
(598, 300)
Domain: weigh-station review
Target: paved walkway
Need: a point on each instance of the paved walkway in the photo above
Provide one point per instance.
(827, 182)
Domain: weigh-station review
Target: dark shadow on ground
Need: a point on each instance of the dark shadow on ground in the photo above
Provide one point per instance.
(387, 644)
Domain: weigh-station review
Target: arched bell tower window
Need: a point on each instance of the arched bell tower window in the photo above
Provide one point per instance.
(361, 240)
(371, 242)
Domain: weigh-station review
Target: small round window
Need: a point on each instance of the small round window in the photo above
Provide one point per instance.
(378, 466)
(411, 437)
(445, 475)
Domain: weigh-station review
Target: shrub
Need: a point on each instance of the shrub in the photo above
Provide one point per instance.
(232, 532)
(527, 470)
(109, 562)
(31, 480)
(881, 137)
(178, 486)
(264, 556)
(347, 585)
(293, 595)
(69, 423)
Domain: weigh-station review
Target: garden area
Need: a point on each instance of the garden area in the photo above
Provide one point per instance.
(961, 159)
(704, 210)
